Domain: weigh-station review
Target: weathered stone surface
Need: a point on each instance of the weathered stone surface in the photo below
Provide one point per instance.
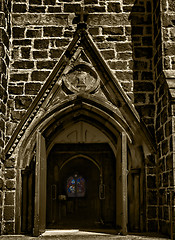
(53, 31)
(40, 19)
(114, 7)
(32, 88)
(108, 19)
(22, 102)
(15, 77)
(39, 75)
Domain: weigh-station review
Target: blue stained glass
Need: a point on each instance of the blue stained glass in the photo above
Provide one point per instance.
(76, 186)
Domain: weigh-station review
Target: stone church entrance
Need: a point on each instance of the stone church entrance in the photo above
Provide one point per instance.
(81, 186)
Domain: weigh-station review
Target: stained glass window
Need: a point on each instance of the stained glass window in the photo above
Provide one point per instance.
(76, 186)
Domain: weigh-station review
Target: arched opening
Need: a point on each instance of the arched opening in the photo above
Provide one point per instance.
(68, 205)
(79, 136)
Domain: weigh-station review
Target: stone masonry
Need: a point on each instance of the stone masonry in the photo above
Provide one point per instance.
(137, 40)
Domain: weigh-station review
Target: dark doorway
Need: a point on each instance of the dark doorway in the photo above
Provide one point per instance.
(75, 175)
(28, 194)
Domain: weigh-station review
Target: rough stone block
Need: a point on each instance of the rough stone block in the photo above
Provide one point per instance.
(46, 64)
(147, 75)
(23, 64)
(49, 2)
(169, 48)
(138, 9)
(22, 102)
(9, 198)
(114, 7)
(90, 2)
(16, 90)
(32, 88)
(8, 213)
(112, 30)
(72, 7)
(52, 31)
(108, 54)
(122, 47)
(37, 9)
(39, 75)
(147, 41)
(118, 65)
(123, 75)
(108, 19)
(41, 43)
(17, 115)
(40, 19)
(55, 53)
(137, 30)
(124, 56)
(139, 97)
(165, 147)
(16, 77)
(54, 9)
(40, 54)
(23, 42)
(18, 32)
(116, 38)
(160, 134)
(36, 2)
(92, 9)
(19, 8)
(94, 31)
(169, 162)
(25, 52)
(143, 86)
(168, 129)
(33, 33)
(143, 52)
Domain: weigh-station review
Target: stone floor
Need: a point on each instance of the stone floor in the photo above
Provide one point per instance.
(83, 235)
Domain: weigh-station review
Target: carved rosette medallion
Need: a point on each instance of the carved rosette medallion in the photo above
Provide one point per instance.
(80, 78)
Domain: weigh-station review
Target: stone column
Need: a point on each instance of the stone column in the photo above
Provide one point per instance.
(124, 183)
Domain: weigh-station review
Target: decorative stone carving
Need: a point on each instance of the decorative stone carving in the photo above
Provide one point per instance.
(80, 78)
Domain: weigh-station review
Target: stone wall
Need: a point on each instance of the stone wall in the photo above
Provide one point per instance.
(163, 121)
(4, 64)
(42, 30)
(142, 46)
(130, 38)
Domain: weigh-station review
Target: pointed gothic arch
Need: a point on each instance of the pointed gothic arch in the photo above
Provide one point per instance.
(62, 103)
